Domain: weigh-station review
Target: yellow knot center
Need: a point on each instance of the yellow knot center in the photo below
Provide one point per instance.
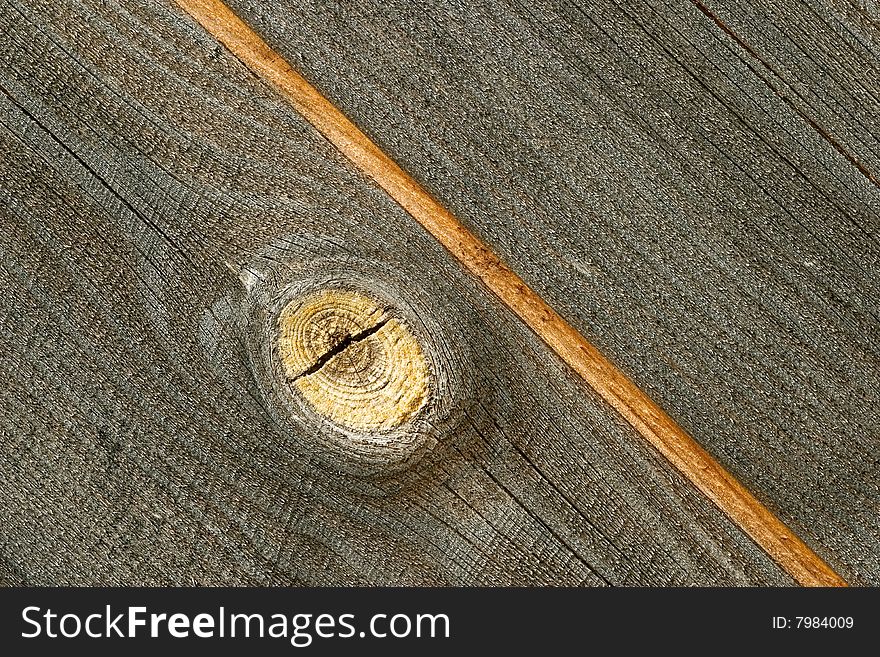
(351, 361)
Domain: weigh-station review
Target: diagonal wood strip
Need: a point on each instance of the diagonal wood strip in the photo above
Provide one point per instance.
(635, 406)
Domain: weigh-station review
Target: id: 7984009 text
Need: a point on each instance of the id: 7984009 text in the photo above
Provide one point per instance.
(813, 623)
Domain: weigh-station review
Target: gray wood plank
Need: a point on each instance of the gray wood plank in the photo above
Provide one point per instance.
(631, 162)
(821, 60)
(157, 201)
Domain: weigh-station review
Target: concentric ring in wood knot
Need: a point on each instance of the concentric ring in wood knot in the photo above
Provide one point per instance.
(351, 362)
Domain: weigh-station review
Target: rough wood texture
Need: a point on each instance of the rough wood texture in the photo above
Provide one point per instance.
(609, 382)
(663, 187)
(821, 60)
(157, 201)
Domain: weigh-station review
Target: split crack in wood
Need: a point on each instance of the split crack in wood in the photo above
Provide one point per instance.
(347, 341)
(352, 361)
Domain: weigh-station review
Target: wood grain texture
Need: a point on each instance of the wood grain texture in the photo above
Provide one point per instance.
(608, 381)
(793, 45)
(352, 361)
(630, 163)
(158, 203)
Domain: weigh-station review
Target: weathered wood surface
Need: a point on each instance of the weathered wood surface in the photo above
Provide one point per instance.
(822, 58)
(690, 189)
(357, 327)
(156, 201)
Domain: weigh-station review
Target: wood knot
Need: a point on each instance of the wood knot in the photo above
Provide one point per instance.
(360, 369)
(352, 361)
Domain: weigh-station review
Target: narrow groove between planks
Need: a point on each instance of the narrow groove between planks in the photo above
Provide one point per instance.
(623, 395)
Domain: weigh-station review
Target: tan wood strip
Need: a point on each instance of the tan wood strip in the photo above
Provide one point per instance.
(634, 405)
